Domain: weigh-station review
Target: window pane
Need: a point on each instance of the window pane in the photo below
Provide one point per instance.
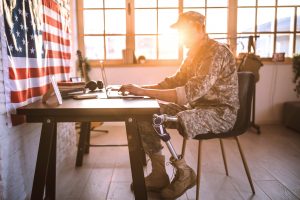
(265, 19)
(288, 2)
(168, 46)
(114, 3)
(92, 4)
(193, 3)
(185, 52)
(166, 17)
(115, 21)
(168, 3)
(199, 10)
(246, 20)
(285, 19)
(264, 45)
(284, 43)
(242, 43)
(217, 3)
(266, 2)
(93, 22)
(145, 21)
(216, 21)
(94, 48)
(246, 2)
(144, 4)
(146, 46)
(298, 44)
(114, 46)
(298, 19)
(222, 38)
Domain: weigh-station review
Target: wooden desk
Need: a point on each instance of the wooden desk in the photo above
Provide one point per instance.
(128, 110)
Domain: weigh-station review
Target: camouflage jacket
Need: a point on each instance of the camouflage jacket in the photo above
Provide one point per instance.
(209, 78)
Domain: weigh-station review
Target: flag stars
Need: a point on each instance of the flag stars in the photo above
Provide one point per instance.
(20, 49)
(23, 41)
(31, 36)
(32, 50)
(20, 11)
(16, 18)
(22, 27)
(18, 33)
(26, 14)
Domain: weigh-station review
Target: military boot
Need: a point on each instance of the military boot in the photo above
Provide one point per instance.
(185, 178)
(158, 179)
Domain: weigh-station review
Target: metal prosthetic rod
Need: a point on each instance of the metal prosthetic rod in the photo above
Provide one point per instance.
(160, 129)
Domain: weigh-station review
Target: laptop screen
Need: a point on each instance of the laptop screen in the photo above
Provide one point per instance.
(112, 92)
(104, 78)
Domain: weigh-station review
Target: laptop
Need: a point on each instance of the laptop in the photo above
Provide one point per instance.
(112, 91)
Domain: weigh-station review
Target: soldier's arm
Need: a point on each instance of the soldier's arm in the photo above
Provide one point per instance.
(207, 74)
(168, 95)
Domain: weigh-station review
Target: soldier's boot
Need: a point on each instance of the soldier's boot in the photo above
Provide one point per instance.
(185, 178)
(158, 179)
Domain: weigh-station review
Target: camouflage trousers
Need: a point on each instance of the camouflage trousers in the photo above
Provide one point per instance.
(150, 141)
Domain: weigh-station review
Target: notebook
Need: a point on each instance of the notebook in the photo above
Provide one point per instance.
(112, 91)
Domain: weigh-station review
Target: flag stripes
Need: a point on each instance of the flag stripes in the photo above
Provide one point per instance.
(21, 96)
(38, 45)
(25, 73)
(56, 39)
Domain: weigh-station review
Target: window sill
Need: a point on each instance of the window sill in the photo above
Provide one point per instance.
(96, 64)
(269, 61)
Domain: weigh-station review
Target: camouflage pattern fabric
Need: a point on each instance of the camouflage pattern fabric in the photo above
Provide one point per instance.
(150, 141)
(209, 77)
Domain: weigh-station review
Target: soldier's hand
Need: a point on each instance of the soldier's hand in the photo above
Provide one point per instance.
(132, 89)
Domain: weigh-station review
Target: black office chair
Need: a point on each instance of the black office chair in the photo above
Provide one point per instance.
(246, 88)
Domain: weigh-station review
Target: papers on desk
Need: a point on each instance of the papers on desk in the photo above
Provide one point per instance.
(85, 96)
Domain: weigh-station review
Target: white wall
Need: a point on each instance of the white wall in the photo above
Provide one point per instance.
(273, 89)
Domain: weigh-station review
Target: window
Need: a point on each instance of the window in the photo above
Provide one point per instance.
(274, 23)
(111, 29)
(108, 27)
(101, 37)
(153, 37)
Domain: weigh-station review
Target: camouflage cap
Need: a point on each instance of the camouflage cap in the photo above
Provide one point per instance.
(189, 17)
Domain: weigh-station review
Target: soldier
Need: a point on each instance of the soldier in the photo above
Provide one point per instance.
(203, 94)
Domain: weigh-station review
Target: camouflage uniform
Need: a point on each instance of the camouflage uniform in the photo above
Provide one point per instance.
(209, 78)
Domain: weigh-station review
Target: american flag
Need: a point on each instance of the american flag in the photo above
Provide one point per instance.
(37, 43)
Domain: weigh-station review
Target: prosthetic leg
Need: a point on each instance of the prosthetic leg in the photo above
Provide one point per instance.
(185, 177)
(158, 125)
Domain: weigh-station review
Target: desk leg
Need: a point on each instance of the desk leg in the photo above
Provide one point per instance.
(88, 139)
(142, 152)
(81, 145)
(51, 175)
(136, 163)
(43, 157)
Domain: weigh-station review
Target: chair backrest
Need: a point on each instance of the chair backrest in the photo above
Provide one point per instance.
(246, 82)
(246, 90)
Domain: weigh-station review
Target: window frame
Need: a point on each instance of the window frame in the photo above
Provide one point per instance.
(232, 33)
(274, 32)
